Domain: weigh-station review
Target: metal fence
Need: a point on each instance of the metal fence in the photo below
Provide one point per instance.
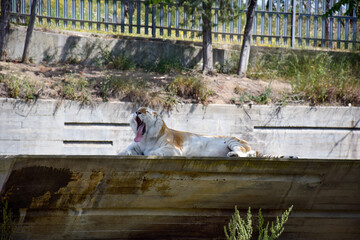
(294, 23)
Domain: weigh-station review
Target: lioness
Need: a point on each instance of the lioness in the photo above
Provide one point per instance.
(154, 138)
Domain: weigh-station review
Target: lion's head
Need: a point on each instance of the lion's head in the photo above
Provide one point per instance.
(145, 123)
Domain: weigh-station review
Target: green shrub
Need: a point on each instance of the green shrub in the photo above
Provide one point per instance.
(239, 229)
(7, 224)
(276, 229)
(263, 98)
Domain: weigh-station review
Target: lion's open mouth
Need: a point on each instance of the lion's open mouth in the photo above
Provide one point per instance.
(141, 129)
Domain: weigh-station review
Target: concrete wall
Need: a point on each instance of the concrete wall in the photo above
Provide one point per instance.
(89, 48)
(109, 197)
(66, 127)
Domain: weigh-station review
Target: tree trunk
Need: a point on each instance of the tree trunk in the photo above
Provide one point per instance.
(245, 49)
(29, 31)
(4, 27)
(207, 39)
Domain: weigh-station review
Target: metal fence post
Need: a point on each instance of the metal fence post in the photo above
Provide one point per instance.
(153, 21)
(293, 20)
(73, 13)
(48, 11)
(13, 10)
(98, 14)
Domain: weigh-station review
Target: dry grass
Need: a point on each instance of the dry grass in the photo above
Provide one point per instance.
(21, 87)
(316, 80)
(320, 78)
(190, 87)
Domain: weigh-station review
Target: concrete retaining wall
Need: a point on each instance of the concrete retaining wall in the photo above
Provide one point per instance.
(109, 197)
(76, 47)
(58, 128)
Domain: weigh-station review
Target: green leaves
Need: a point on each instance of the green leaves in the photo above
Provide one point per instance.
(7, 224)
(239, 229)
(275, 230)
(353, 5)
(226, 8)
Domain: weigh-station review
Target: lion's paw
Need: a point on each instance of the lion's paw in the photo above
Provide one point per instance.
(156, 153)
(289, 157)
(124, 153)
(233, 154)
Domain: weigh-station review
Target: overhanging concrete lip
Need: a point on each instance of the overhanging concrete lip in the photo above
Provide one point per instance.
(141, 157)
(85, 195)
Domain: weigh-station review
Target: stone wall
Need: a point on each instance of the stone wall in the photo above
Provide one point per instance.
(69, 128)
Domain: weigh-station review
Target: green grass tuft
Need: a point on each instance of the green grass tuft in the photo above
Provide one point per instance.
(74, 88)
(319, 77)
(119, 62)
(190, 87)
(24, 88)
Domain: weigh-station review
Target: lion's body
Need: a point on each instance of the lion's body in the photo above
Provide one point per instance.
(154, 138)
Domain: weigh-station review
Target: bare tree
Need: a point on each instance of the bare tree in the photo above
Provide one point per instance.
(4, 27)
(245, 49)
(29, 31)
(208, 66)
(227, 11)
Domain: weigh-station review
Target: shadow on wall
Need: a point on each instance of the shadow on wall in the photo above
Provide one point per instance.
(67, 53)
(146, 53)
(142, 52)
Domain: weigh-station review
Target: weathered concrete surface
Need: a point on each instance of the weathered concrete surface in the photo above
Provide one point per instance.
(108, 197)
(85, 48)
(52, 127)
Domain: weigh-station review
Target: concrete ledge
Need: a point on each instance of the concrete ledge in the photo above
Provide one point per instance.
(112, 197)
(47, 127)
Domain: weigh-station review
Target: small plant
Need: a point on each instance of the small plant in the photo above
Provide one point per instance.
(104, 89)
(7, 224)
(190, 87)
(24, 88)
(229, 66)
(130, 90)
(73, 60)
(167, 65)
(47, 57)
(275, 230)
(123, 63)
(239, 229)
(263, 98)
(74, 88)
(119, 62)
